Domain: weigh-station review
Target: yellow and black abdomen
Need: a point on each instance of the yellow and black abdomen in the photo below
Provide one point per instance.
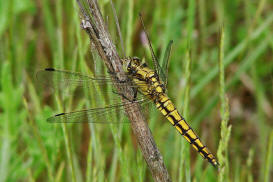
(150, 85)
(167, 108)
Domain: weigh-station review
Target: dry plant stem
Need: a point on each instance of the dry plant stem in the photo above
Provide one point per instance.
(93, 24)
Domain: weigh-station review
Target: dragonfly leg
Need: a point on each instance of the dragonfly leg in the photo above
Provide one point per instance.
(135, 93)
(114, 74)
(110, 72)
(123, 96)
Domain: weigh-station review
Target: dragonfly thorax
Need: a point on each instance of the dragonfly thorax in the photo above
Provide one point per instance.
(145, 78)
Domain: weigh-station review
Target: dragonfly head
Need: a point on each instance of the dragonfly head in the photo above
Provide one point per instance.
(131, 63)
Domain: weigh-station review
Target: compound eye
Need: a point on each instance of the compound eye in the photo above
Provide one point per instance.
(136, 60)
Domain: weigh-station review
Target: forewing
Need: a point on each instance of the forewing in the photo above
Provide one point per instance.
(60, 79)
(162, 71)
(154, 58)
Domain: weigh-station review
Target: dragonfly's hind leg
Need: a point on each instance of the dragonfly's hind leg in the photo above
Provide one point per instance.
(135, 93)
(124, 96)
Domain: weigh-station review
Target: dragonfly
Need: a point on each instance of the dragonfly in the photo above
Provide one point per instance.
(149, 86)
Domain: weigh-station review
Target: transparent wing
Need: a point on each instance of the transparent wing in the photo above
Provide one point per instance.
(60, 79)
(154, 58)
(105, 115)
(64, 79)
(165, 64)
(161, 71)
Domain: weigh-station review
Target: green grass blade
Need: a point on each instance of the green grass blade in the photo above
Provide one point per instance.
(222, 152)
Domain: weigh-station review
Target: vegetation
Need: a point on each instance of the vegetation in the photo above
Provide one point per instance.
(220, 77)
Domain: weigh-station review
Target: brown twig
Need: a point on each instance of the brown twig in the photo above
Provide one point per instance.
(93, 24)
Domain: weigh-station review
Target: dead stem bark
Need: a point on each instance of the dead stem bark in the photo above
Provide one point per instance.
(93, 24)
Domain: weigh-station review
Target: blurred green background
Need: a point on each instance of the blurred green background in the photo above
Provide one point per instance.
(220, 77)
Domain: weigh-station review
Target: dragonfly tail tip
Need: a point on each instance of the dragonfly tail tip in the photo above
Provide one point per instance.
(216, 165)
